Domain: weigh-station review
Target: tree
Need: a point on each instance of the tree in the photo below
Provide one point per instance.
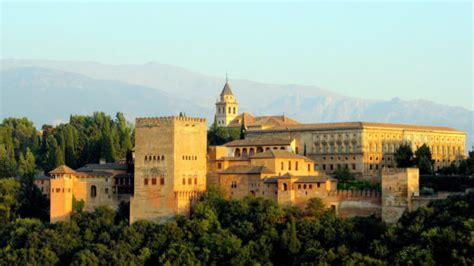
(33, 203)
(7, 162)
(404, 155)
(54, 156)
(27, 165)
(315, 207)
(424, 160)
(9, 204)
(343, 175)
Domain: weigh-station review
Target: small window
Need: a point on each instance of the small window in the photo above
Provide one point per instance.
(296, 165)
(282, 166)
(310, 186)
(319, 185)
(299, 186)
(184, 181)
(195, 181)
(162, 157)
(219, 165)
(153, 181)
(106, 190)
(146, 181)
(304, 186)
(309, 167)
(162, 181)
(93, 191)
(289, 165)
(190, 181)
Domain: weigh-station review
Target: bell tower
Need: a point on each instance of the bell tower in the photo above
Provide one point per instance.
(227, 107)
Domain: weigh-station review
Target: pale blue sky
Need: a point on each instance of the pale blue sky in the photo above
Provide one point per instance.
(363, 49)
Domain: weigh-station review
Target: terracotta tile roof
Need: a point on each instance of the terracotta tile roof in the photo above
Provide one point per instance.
(41, 176)
(278, 154)
(104, 166)
(300, 179)
(266, 141)
(355, 125)
(63, 169)
(261, 121)
(247, 169)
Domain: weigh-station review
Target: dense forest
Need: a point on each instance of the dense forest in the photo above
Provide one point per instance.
(84, 139)
(242, 232)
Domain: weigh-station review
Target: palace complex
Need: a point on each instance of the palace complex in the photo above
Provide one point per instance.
(280, 159)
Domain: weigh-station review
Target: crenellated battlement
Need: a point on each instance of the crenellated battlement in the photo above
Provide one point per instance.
(166, 120)
(355, 193)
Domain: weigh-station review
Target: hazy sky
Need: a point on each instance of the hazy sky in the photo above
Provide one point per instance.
(363, 49)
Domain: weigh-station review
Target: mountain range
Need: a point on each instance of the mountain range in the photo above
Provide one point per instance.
(49, 91)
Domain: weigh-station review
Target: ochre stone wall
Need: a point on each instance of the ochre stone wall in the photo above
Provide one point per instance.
(61, 198)
(399, 187)
(368, 149)
(170, 166)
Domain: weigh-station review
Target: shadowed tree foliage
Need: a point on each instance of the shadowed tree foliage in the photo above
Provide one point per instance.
(404, 156)
(242, 232)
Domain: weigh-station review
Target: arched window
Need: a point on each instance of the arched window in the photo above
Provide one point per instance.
(251, 151)
(259, 149)
(282, 166)
(296, 165)
(244, 152)
(289, 165)
(237, 152)
(234, 110)
(285, 187)
(93, 192)
(229, 110)
(162, 157)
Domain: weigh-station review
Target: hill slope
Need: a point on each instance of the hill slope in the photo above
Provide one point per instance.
(163, 89)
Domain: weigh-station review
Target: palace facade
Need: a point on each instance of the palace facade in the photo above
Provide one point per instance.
(279, 159)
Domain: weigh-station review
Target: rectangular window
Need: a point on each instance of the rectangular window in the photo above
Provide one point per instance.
(324, 167)
(310, 186)
(296, 165)
(190, 181)
(184, 181)
(331, 167)
(58, 190)
(146, 181)
(353, 166)
(289, 165)
(106, 190)
(370, 167)
(153, 181)
(309, 167)
(319, 185)
(219, 165)
(162, 181)
(195, 181)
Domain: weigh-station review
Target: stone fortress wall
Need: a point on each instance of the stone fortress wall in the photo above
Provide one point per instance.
(170, 166)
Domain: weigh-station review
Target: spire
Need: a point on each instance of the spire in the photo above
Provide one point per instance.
(226, 90)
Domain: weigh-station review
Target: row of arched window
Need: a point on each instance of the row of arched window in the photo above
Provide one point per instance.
(58, 190)
(230, 110)
(190, 181)
(251, 151)
(154, 158)
(153, 181)
(189, 157)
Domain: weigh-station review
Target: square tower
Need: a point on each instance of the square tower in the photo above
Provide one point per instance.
(170, 166)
